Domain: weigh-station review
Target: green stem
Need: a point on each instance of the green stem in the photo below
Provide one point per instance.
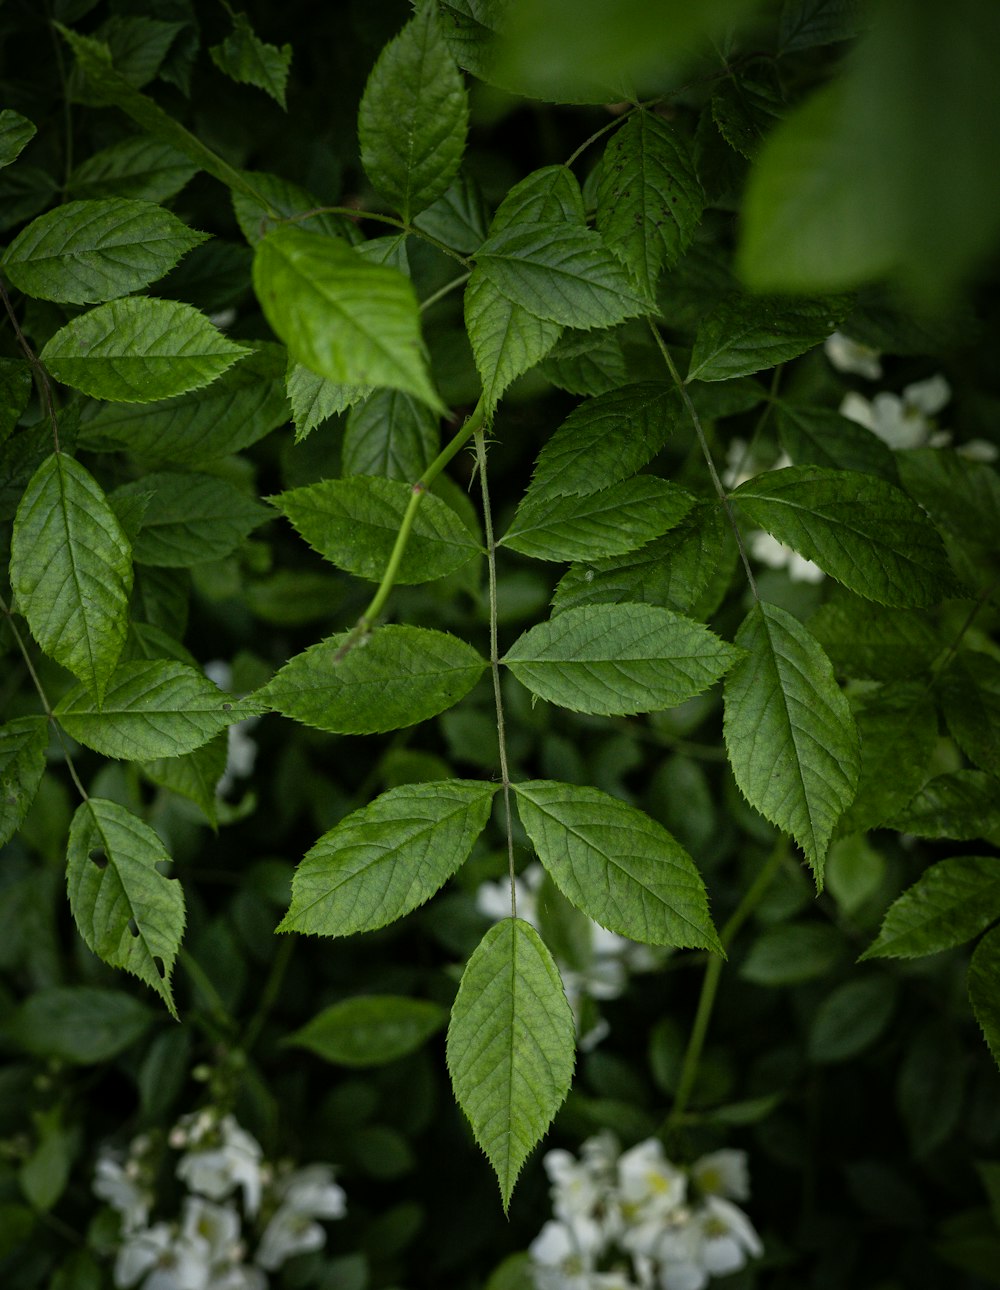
(203, 983)
(41, 376)
(269, 995)
(446, 290)
(351, 212)
(710, 985)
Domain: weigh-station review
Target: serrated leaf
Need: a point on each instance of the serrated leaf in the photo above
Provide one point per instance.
(789, 733)
(808, 23)
(621, 868)
(314, 399)
(16, 132)
(561, 273)
(138, 350)
(370, 1030)
(395, 678)
(964, 805)
(588, 363)
(746, 107)
(862, 531)
(194, 775)
(246, 403)
(817, 436)
(649, 198)
(22, 765)
(970, 694)
(413, 116)
(71, 570)
(354, 322)
(950, 903)
(85, 252)
(138, 45)
(190, 518)
(383, 861)
(128, 913)
(747, 334)
(139, 167)
(613, 521)
(618, 660)
(245, 58)
(276, 200)
(151, 709)
(354, 523)
(459, 218)
(507, 340)
(872, 643)
(510, 1046)
(984, 988)
(898, 728)
(389, 434)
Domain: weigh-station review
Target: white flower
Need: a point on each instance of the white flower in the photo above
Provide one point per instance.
(312, 1191)
(722, 1173)
(117, 1184)
(562, 1260)
(241, 749)
(167, 1261)
(776, 555)
(902, 421)
(679, 1254)
(848, 355)
(306, 1194)
(288, 1233)
(216, 1171)
(216, 1227)
(650, 1191)
(729, 1237)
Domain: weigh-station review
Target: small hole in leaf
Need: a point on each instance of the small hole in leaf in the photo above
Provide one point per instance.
(158, 964)
(227, 707)
(98, 857)
(133, 927)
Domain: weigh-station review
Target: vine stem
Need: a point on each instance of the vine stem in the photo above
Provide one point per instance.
(706, 453)
(710, 985)
(491, 564)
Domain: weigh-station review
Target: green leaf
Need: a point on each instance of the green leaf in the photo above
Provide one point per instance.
(16, 132)
(964, 805)
(413, 117)
(314, 398)
(394, 678)
(139, 350)
(747, 334)
(561, 273)
(138, 45)
(71, 570)
(383, 861)
(389, 434)
(790, 953)
(354, 523)
(151, 709)
(866, 641)
(245, 58)
(850, 1019)
(816, 436)
(618, 659)
(745, 107)
(610, 522)
(22, 764)
(789, 733)
(245, 403)
(459, 218)
(354, 322)
(898, 728)
(194, 775)
(15, 392)
(589, 362)
(621, 868)
(191, 518)
(984, 986)
(507, 340)
(128, 913)
(276, 200)
(89, 251)
(80, 1024)
(370, 1030)
(970, 694)
(862, 531)
(139, 167)
(649, 198)
(510, 1046)
(808, 23)
(950, 903)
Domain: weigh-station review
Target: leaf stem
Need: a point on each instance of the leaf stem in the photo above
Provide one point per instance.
(41, 376)
(491, 565)
(270, 992)
(352, 213)
(706, 453)
(447, 289)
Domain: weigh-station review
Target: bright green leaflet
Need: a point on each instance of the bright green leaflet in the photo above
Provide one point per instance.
(746, 334)
(129, 914)
(71, 570)
(315, 398)
(950, 903)
(371, 1030)
(384, 860)
(86, 252)
(510, 1046)
(390, 434)
(791, 739)
(190, 518)
(413, 117)
(22, 765)
(984, 983)
(246, 58)
(395, 678)
(616, 864)
(507, 340)
(618, 660)
(139, 350)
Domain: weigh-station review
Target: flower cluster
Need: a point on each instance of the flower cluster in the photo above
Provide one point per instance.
(605, 959)
(633, 1220)
(227, 1182)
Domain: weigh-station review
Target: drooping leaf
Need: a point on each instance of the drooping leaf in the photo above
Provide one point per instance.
(194, 775)
(190, 518)
(963, 804)
(245, 58)
(315, 398)
(139, 167)
(789, 733)
(85, 252)
(354, 322)
(618, 659)
(389, 434)
(138, 350)
(862, 531)
(71, 570)
(128, 913)
(354, 522)
(950, 903)
(381, 862)
(898, 729)
(22, 764)
(16, 132)
(616, 864)
(817, 436)
(649, 199)
(747, 334)
(984, 984)
(370, 1030)
(80, 1024)
(396, 677)
(970, 694)
(151, 709)
(510, 1045)
(867, 641)
(413, 117)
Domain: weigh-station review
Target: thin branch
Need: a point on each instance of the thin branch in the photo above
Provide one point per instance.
(41, 376)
